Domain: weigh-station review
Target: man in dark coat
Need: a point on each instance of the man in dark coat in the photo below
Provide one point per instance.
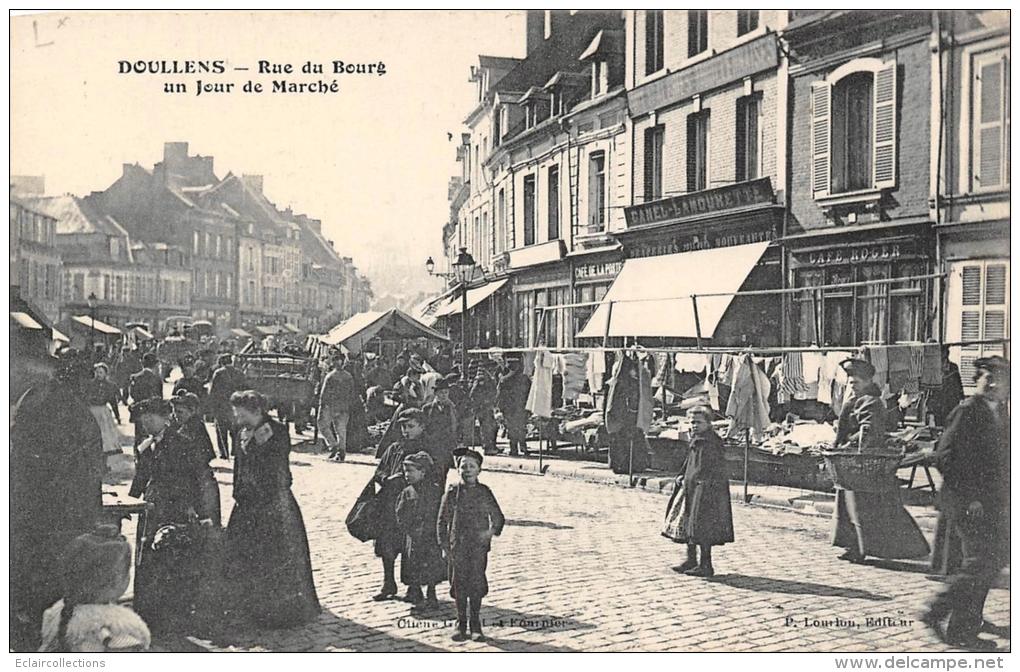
(226, 380)
(973, 457)
(511, 398)
(146, 384)
(56, 471)
(129, 364)
(943, 399)
(189, 380)
(441, 431)
(483, 400)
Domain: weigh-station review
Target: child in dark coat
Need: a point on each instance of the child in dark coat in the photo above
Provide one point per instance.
(700, 515)
(469, 517)
(417, 511)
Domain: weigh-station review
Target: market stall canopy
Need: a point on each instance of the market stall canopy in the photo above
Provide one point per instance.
(271, 330)
(425, 312)
(100, 326)
(474, 297)
(57, 336)
(292, 328)
(652, 296)
(240, 333)
(393, 324)
(24, 320)
(142, 333)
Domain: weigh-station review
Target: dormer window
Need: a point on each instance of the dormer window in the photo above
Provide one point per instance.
(606, 55)
(599, 78)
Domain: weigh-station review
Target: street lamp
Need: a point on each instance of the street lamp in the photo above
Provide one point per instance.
(93, 299)
(463, 270)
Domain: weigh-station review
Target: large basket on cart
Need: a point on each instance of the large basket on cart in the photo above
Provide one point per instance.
(864, 472)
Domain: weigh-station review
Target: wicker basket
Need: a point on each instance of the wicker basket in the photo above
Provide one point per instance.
(863, 471)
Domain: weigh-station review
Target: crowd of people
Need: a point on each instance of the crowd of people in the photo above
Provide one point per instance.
(192, 573)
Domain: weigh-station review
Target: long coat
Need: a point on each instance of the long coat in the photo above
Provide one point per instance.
(417, 510)
(701, 512)
(266, 539)
(973, 458)
(468, 519)
(389, 475)
(872, 523)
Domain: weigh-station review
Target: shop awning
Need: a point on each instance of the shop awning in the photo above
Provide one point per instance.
(357, 331)
(100, 326)
(474, 297)
(652, 295)
(24, 320)
(57, 336)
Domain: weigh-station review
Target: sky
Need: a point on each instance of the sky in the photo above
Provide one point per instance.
(372, 162)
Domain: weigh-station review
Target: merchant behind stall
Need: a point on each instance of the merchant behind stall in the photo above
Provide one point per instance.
(870, 522)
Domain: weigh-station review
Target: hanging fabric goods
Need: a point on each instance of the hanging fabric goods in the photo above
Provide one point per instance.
(573, 368)
(931, 366)
(596, 371)
(540, 396)
(748, 405)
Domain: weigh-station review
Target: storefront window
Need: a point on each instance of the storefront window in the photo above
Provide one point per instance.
(848, 315)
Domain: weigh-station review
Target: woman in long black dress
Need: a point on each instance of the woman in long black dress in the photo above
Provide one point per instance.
(170, 476)
(267, 546)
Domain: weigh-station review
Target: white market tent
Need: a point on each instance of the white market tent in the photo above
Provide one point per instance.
(357, 331)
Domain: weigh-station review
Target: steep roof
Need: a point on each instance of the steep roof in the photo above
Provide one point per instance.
(76, 215)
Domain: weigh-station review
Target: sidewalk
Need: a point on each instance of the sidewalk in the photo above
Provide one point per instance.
(820, 504)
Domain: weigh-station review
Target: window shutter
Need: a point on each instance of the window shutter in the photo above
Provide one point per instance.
(990, 115)
(821, 132)
(884, 160)
(593, 191)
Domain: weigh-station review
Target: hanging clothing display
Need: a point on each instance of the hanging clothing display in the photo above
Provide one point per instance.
(646, 400)
(573, 368)
(791, 377)
(899, 367)
(879, 359)
(828, 371)
(528, 364)
(748, 405)
(540, 398)
(691, 362)
(916, 365)
(662, 370)
(596, 371)
(931, 366)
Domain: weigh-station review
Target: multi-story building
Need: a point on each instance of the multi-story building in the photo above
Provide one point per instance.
(970, 179)
(129, 280)
(860, 177)
(34, 256)
(166, 205)
(321, 283)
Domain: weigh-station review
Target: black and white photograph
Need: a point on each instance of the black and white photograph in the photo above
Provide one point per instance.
(510, 331)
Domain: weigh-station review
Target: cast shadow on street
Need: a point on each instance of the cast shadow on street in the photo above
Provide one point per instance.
(538, 523)
(764, 584)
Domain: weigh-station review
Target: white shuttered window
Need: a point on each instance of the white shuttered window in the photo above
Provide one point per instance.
(978, 310)
(990, 127)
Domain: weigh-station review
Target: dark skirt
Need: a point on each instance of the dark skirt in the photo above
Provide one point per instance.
(389, 540)
(422, 563)
(467, 573)
(876, 524)
(701, 515)
(269, 562)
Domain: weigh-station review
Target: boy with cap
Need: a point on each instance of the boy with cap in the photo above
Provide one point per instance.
(441, 430)
(417, 510)
(973, 458)
(390, 476)
(469, 517)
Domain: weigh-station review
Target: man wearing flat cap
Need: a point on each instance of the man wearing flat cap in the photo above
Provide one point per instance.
(871, 522)
(973, 457)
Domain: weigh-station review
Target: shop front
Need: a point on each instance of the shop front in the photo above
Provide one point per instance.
(686, 261)
(541, 278)
(851, 294)
(594, 273)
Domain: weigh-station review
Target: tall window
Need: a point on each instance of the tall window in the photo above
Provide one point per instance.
(599, 77)
(748, 152)
(654, 41)
(554, 202)
(747, 20)
(851, 133)
(990, 140)
(697, 151)
(979, 300)
(501, 221)
(697, 31)
(529, 210)
(596, 192)
(654, 138)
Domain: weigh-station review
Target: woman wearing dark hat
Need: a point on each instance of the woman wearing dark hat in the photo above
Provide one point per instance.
(417, 510)
(973, 458)
(191, 429)
(170, 477)
(389, 475)
(267, 546)
(870, 522)
(469, 518)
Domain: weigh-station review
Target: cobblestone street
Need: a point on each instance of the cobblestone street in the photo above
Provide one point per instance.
(581, 567)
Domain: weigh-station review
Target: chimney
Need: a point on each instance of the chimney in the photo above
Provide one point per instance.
(28, 185)
(253, 182)
(315, 225)
(534, 29)
(175, 152)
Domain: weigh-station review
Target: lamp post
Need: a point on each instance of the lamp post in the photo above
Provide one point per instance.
(463, 271)
(93, 299)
